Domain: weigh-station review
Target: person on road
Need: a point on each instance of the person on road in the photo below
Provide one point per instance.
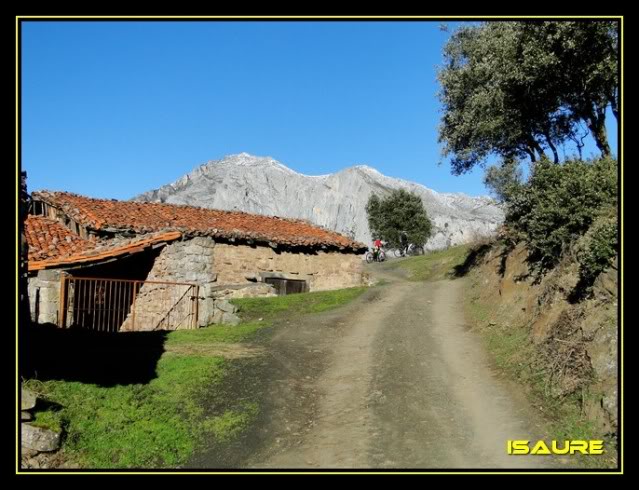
(403, 240)
(377, 247)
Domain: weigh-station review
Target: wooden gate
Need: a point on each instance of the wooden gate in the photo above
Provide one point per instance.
(111, 305)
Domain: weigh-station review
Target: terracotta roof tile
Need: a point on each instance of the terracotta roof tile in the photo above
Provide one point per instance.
(143, 217)
(48, 239)
(104, 250)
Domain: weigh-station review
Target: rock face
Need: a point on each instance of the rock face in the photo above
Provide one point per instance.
(39, 439)
(27, 399)
(261, 185)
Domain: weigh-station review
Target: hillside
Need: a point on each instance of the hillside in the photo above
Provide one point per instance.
(336, 201)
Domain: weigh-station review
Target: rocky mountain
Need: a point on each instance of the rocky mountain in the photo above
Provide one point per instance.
(337, 201)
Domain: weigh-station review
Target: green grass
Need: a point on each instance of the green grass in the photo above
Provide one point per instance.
(569, 424)
(48, 419)
(252, 309)
(135, 426)
(432, 266)
(509, 346)
(161, 423)
(232, 422)
(158, 424)
(478, 311)
(216, 333)
(572, 426)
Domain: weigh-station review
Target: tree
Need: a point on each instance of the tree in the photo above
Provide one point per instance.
(399, 210)
(503, 180)
(583, 57)
(519, 89)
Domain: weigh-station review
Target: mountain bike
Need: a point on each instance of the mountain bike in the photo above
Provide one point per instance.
(375, 256)
(412, 250)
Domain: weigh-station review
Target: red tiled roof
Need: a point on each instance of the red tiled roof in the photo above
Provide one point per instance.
(48, 239)
(53, 245)
(105, 250)
(142, 217)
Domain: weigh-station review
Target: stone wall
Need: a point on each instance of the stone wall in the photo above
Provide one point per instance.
(185, 261)
(44, 296)
(251, 290)
(188, 261)
(225, 271)
(237, 264)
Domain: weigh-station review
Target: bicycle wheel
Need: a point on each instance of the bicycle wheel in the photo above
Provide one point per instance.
(369, 257)
(398, 252)
(382, 256)
(417, 250)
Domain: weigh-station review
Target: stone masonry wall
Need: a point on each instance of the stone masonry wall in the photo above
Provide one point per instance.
(213, 267)
(216, 265)
(187, 261)
(237, 264)
(44, 288)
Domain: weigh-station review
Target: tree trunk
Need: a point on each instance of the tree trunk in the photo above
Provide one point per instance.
(596, 122)
(552, 147)
(614, 107)
(538, 147)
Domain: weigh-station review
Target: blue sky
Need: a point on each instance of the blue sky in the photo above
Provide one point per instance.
(112, 109)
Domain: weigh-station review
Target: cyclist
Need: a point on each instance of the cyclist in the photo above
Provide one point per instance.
(377, 247)
(403, 240)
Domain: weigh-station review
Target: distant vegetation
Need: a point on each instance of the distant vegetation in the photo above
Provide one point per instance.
(399, 210)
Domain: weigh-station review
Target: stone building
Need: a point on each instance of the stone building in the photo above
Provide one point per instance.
(124, 265)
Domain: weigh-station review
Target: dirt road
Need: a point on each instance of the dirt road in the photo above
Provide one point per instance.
(393, 380)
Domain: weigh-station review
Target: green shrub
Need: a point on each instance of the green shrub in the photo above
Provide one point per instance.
(598, 248)
(558, 205)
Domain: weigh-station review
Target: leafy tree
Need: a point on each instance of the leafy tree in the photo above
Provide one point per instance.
(399, 210)
(503, 180)
(583, 57)
(519, 89)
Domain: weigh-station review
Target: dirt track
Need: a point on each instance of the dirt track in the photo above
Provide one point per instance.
(393, 380)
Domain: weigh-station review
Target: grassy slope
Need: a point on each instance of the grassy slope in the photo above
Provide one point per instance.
(432, 266)
(160, 424)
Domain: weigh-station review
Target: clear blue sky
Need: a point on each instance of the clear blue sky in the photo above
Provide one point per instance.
(112, 109)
